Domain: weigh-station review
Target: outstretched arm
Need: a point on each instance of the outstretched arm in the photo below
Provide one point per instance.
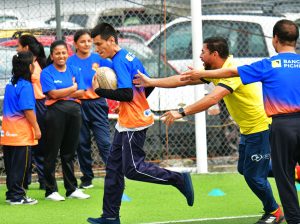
(206, 102)
(217, 73)
(142, 80)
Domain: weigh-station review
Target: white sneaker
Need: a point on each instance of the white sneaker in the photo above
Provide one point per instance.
(55, 196)
(79, 194)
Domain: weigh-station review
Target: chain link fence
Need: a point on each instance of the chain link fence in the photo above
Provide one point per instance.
(159, 33)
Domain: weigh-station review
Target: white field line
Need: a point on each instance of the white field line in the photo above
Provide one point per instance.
(206, 219)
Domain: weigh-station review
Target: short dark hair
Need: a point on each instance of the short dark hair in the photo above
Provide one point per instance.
(105, 30)
(218, 44)
(20, 63)
(79, 33)
(287, 32)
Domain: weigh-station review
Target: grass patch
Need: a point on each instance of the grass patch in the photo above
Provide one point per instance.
(149, 203)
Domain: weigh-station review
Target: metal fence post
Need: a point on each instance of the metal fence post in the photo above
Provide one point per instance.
(58, 20)
(200, 122)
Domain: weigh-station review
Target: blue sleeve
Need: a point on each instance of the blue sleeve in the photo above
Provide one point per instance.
(26, 97)
(78, 78)
(47, 81)
(254, 72)
(105, 63)
(123, 75)
(142, 70)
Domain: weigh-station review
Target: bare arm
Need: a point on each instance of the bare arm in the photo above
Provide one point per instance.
(31, 117)
(216, 73)
(142, 80)
(61, 93)
(203, 104)
(77, 94)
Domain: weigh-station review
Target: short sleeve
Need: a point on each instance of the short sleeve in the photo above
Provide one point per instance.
(47, 81)
(143, 70)
(254, 72)
(231, 83)
(26, 100)
(123, 75)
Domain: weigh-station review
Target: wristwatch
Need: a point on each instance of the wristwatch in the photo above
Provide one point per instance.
(181, 111)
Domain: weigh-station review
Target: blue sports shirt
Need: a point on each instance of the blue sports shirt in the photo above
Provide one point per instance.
(280, 78)
(51, 79)
(136, 113)
(16, 129)
(87, 68)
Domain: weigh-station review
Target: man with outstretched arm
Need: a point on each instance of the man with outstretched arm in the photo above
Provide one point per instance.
(280, 78)
(245, 105)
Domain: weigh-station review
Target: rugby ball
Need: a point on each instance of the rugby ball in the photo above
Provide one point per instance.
(106, 78)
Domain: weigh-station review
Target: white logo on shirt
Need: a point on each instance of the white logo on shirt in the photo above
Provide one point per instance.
(130, 56)
(291, 63)
(10, 134)
(57, 81)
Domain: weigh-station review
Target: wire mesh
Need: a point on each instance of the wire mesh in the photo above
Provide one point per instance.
(159, 33)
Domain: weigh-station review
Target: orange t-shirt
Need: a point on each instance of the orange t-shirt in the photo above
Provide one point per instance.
(36, 83)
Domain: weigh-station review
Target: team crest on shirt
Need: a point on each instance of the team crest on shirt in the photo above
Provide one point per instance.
(130, 56)
(147, 112)
(95, 66)
(276, 64)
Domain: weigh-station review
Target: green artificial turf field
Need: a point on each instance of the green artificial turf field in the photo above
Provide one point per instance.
(147, 203)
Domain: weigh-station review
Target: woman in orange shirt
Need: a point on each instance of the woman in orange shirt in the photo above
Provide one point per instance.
(30, 43)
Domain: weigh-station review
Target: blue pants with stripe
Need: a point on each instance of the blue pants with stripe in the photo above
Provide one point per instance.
(16, 162)
(127, 158)
(95, 118)
(254, 165)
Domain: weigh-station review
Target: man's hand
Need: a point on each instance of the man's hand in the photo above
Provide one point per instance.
(191, 75)
(169, 117)
(141, 80)
(95, 82)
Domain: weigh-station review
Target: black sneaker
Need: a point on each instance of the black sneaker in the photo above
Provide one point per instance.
(275, 218)
(42, 186)
(24, 201)
(86, 185)
(102, 220)
(188, 189)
